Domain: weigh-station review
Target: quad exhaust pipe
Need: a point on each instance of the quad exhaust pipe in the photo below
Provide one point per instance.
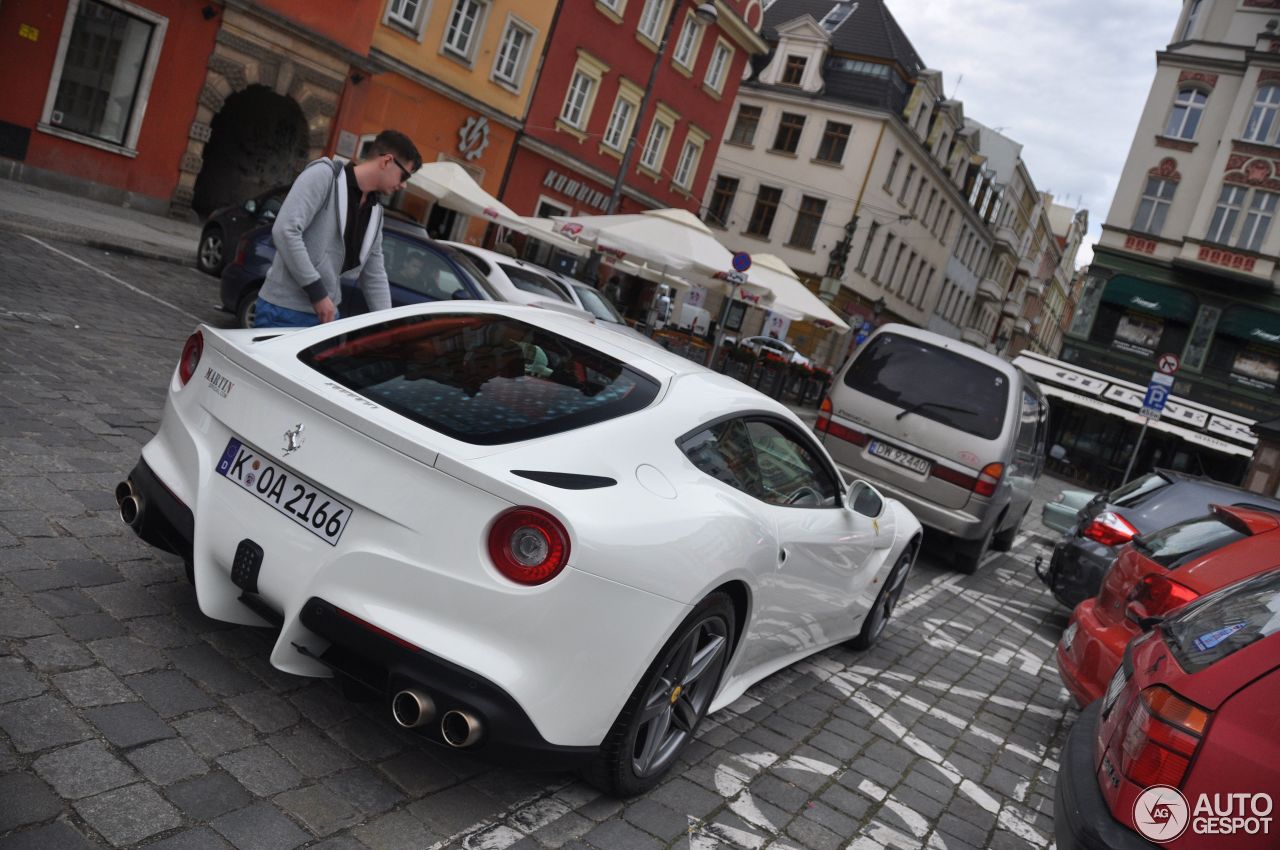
(130, 502)
(412, 709)
(460, 728)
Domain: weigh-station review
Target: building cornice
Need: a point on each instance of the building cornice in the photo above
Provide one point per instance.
(736, 28)
(356, 60)
(415, 75)
(1206, 63)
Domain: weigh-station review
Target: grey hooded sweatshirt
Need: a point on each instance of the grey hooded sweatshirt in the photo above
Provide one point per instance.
(308, 235)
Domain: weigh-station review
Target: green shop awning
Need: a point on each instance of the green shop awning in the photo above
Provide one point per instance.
(1252, 324)
(1151, 298)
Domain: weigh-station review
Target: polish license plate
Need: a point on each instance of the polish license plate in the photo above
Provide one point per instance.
(893, 454)
(285, 490)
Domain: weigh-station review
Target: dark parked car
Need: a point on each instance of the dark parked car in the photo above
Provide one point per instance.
(1187, 723)
(419, 269)
(1111, 519)
(224, 227)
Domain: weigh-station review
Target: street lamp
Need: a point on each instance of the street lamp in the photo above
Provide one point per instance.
(706, 13)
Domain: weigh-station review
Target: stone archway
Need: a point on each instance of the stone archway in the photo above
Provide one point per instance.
(252, 51)
(256, 141)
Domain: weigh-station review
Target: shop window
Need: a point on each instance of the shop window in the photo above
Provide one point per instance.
(1245, 351)
(102, 73)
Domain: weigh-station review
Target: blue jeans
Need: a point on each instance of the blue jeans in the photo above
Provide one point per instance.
(268, 315)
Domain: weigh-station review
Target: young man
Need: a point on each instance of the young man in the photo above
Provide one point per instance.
(330, 223)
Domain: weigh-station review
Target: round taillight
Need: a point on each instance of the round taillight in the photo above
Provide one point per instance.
(528, 545)
(190, 357)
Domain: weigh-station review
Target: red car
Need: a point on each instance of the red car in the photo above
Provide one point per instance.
(1183, 751)
(1155, 574)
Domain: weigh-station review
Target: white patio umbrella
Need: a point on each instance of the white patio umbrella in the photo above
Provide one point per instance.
(455, 189)
(791, 298)
(544, 230)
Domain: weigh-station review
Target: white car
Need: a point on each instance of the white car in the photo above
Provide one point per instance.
(531, 536)
(783, 349)
(514, 280)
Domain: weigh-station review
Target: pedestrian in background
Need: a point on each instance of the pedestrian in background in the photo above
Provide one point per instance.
(331, 223)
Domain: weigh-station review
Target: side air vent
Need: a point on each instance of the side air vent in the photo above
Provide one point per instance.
(566, 480)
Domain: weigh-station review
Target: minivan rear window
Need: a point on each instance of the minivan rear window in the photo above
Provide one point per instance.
(482, 379)
(945, 386)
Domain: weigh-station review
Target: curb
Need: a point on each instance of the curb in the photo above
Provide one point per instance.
(100, 241)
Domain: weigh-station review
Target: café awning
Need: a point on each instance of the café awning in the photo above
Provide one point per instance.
(455, 189)
(791, 298)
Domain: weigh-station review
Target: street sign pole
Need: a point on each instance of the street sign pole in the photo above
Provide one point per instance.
(1158, 391)
(1134, 456)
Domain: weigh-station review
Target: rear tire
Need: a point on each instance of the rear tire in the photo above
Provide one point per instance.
(968, 556)
(1003, 541)
(665, 709)
(877, 618)
(247, 308)
(211, 253)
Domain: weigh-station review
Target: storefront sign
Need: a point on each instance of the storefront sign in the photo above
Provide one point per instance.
(1231, 430)
(1227, 259)
(1137, 243)
(576, 189)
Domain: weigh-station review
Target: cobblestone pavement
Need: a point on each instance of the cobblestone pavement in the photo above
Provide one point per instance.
(127, 718)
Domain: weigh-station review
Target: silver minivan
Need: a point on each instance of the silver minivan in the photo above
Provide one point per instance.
(955, 433)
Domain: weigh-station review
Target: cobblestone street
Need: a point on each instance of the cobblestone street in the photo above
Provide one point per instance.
(127, 718)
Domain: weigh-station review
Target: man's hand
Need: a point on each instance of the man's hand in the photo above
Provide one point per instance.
(325, 310)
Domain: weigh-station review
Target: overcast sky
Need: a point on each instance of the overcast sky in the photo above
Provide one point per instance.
(1066, 78)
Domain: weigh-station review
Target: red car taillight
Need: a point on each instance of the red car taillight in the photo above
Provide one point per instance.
(242, 252)
(190, 358)
(1109, 529)
(1161, 737)
(835, 429)
(1159, 595)
(984, 484)
(528, 545)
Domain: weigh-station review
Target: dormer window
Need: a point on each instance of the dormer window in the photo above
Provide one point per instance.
(837, 16)
(793, 71)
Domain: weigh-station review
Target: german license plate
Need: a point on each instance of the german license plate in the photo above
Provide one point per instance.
(893, 454)
(285, 490)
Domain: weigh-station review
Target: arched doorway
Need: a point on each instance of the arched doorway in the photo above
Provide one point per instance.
(258, 139)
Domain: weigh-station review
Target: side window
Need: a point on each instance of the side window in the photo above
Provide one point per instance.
(725, 452)
(420, 270)
(791, 473)
(1028, 423)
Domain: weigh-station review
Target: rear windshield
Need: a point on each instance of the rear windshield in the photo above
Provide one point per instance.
(532, 282)
(1224, 622)
(1138, 489)
(1178, 544)
(929, 381)
(596, 304)
(481, 379)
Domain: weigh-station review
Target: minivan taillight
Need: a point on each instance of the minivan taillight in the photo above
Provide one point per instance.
(190, 358)
(1161, 737)
(528, 545)
(1110, 529)
(984, 484)
(1159, 595)
(824, 425)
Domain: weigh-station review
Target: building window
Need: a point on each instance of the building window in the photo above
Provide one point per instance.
(464, 22)
(767, 200)
(405, 13)
(834, 140)
(884, 253)
(915, 205)
(687, 43)
(652, 18)
(744, 128)
(1263, 115)
(893, 170)
(906, 184)
(581, 88)
(1192, 15)
(1184, 118)
(866, 246)
(103, 71)
(1223, 223)
(687, 164)
(655, 146)
(1262, 208)
(722, 201)
(808, 219)
(512, 52)
(618, 130)
(1154, 206)
(718, 67)
(789, 130)
(793, 71)
(837, 16)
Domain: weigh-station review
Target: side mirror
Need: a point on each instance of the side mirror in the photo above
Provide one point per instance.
(250, 206)
(864, 499)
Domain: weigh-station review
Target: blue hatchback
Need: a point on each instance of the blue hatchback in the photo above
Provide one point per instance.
(418, 268)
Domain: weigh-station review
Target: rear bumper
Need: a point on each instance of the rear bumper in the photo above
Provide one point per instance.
(1076, 569)
(166, 522)
(1095, 653)
(1081, 818)
(954, 522)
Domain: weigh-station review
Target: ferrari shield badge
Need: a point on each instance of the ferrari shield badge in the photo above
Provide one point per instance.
(293, 439)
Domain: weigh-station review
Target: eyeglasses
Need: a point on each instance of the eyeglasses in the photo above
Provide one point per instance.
(405, 173)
